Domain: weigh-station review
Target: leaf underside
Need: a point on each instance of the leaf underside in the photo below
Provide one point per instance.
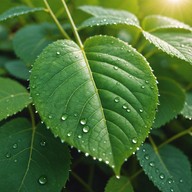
(102, 103)
(13, 97)
(17, 11)
(168, 168)
(28, 158)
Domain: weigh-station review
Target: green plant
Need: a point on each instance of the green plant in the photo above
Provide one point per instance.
(98, 94)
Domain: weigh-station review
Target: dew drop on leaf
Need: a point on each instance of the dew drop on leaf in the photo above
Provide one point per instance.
(58, 53)
(79, 136)
(117, 100)
(15, 146)
(43, 143)
(169, 181)
(50, 116)
(142, 86)
(86, 129)
(141, 110)
(64, 117)
(115, 67)
(42, 180)
(8, 155)
(83, 121)
(69, 134)
(146, 157)
(124, 106)
(128, 110)
(181, 180)
(161, 176)
(152, 164)
(134, 140)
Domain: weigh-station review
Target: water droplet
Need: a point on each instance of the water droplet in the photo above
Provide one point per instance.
(124, 106)
(146, 157)
(128, 110)
(144, 150)
(100, 159)
(79, 136)
(117, 176)
(69, 134)
(15, 161)
(15, 146)
(50, 117)
(171, 190)
(152, 164)
(8, 155)
(161, 176)
(141, 110)
(83, 121)
(86, 154)
(42, 180)
(58, 53)
(169, 181)
(142, 86)
(64, 117)
(146, 82)
(75, 114)
(117, 100)
(107, 162)
(181, 180)
(134, 140)
(113, 166)
(43, 143)
(115, 67)
(86, 129)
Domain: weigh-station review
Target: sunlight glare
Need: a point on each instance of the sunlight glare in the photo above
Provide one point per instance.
(175, 1)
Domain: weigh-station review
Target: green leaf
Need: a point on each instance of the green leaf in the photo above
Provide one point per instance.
(13, 97)
(172, 98)
(103, 16)
(102, 103)
(121, 185)
(178, 44)
(187, 110)
(168, 168)
(156, 22)
(18, 69)
(31, 159)
(31, 40)
(17, 11)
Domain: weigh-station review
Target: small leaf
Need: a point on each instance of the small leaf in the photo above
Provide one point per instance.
(168, 168)
(171, 99)
(102, 103)
(103, 16)
(28, 46)
(156, 22)
(17, 11)
(18, 69)
(13, 97)
(178, 44)
(119, 185)
(31, 159)
(187, 110)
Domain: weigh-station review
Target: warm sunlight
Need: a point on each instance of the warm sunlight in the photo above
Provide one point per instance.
(175, 1)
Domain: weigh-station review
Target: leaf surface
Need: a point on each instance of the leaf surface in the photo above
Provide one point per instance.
(187, 110)
(168, 168)
(102, 101)
(31, 159)
(29, 41)
(171, 99)
(18, 69)
(121, 185)
(176, 44)
(13, 97)
(17, 11)
(156, 22)
(104, 16)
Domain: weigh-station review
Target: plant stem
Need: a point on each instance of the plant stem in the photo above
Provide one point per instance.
(32, 116)
(176, 137)
(81, 181)
(56, 20)
(72, 24)
(153, 144)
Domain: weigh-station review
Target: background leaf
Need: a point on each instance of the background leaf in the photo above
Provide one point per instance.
(31, 159)
(187, 110)
(121, 185)
(156, 22)
(18, 69)
(29, 41)
(19, 10)
(171, 100)
(178, 44)
(168, 168)
(13, 97)
(108, 117)
(104, 16)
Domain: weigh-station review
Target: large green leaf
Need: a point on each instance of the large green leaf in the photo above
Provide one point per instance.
(172, 99)
(156, 22)
(178, 44)
(104, 16)
(13, 97)
(31, 159)
(102, 101)
(121, 185)
(168, 168)
(31, 40)
(19, 10)
(18, 69)
(187, 110)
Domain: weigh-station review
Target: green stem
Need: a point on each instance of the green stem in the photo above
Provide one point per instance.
(32, 116)
(72, 24)
(81, 181)
(153, 144)
(56, 20)
(176, 137)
